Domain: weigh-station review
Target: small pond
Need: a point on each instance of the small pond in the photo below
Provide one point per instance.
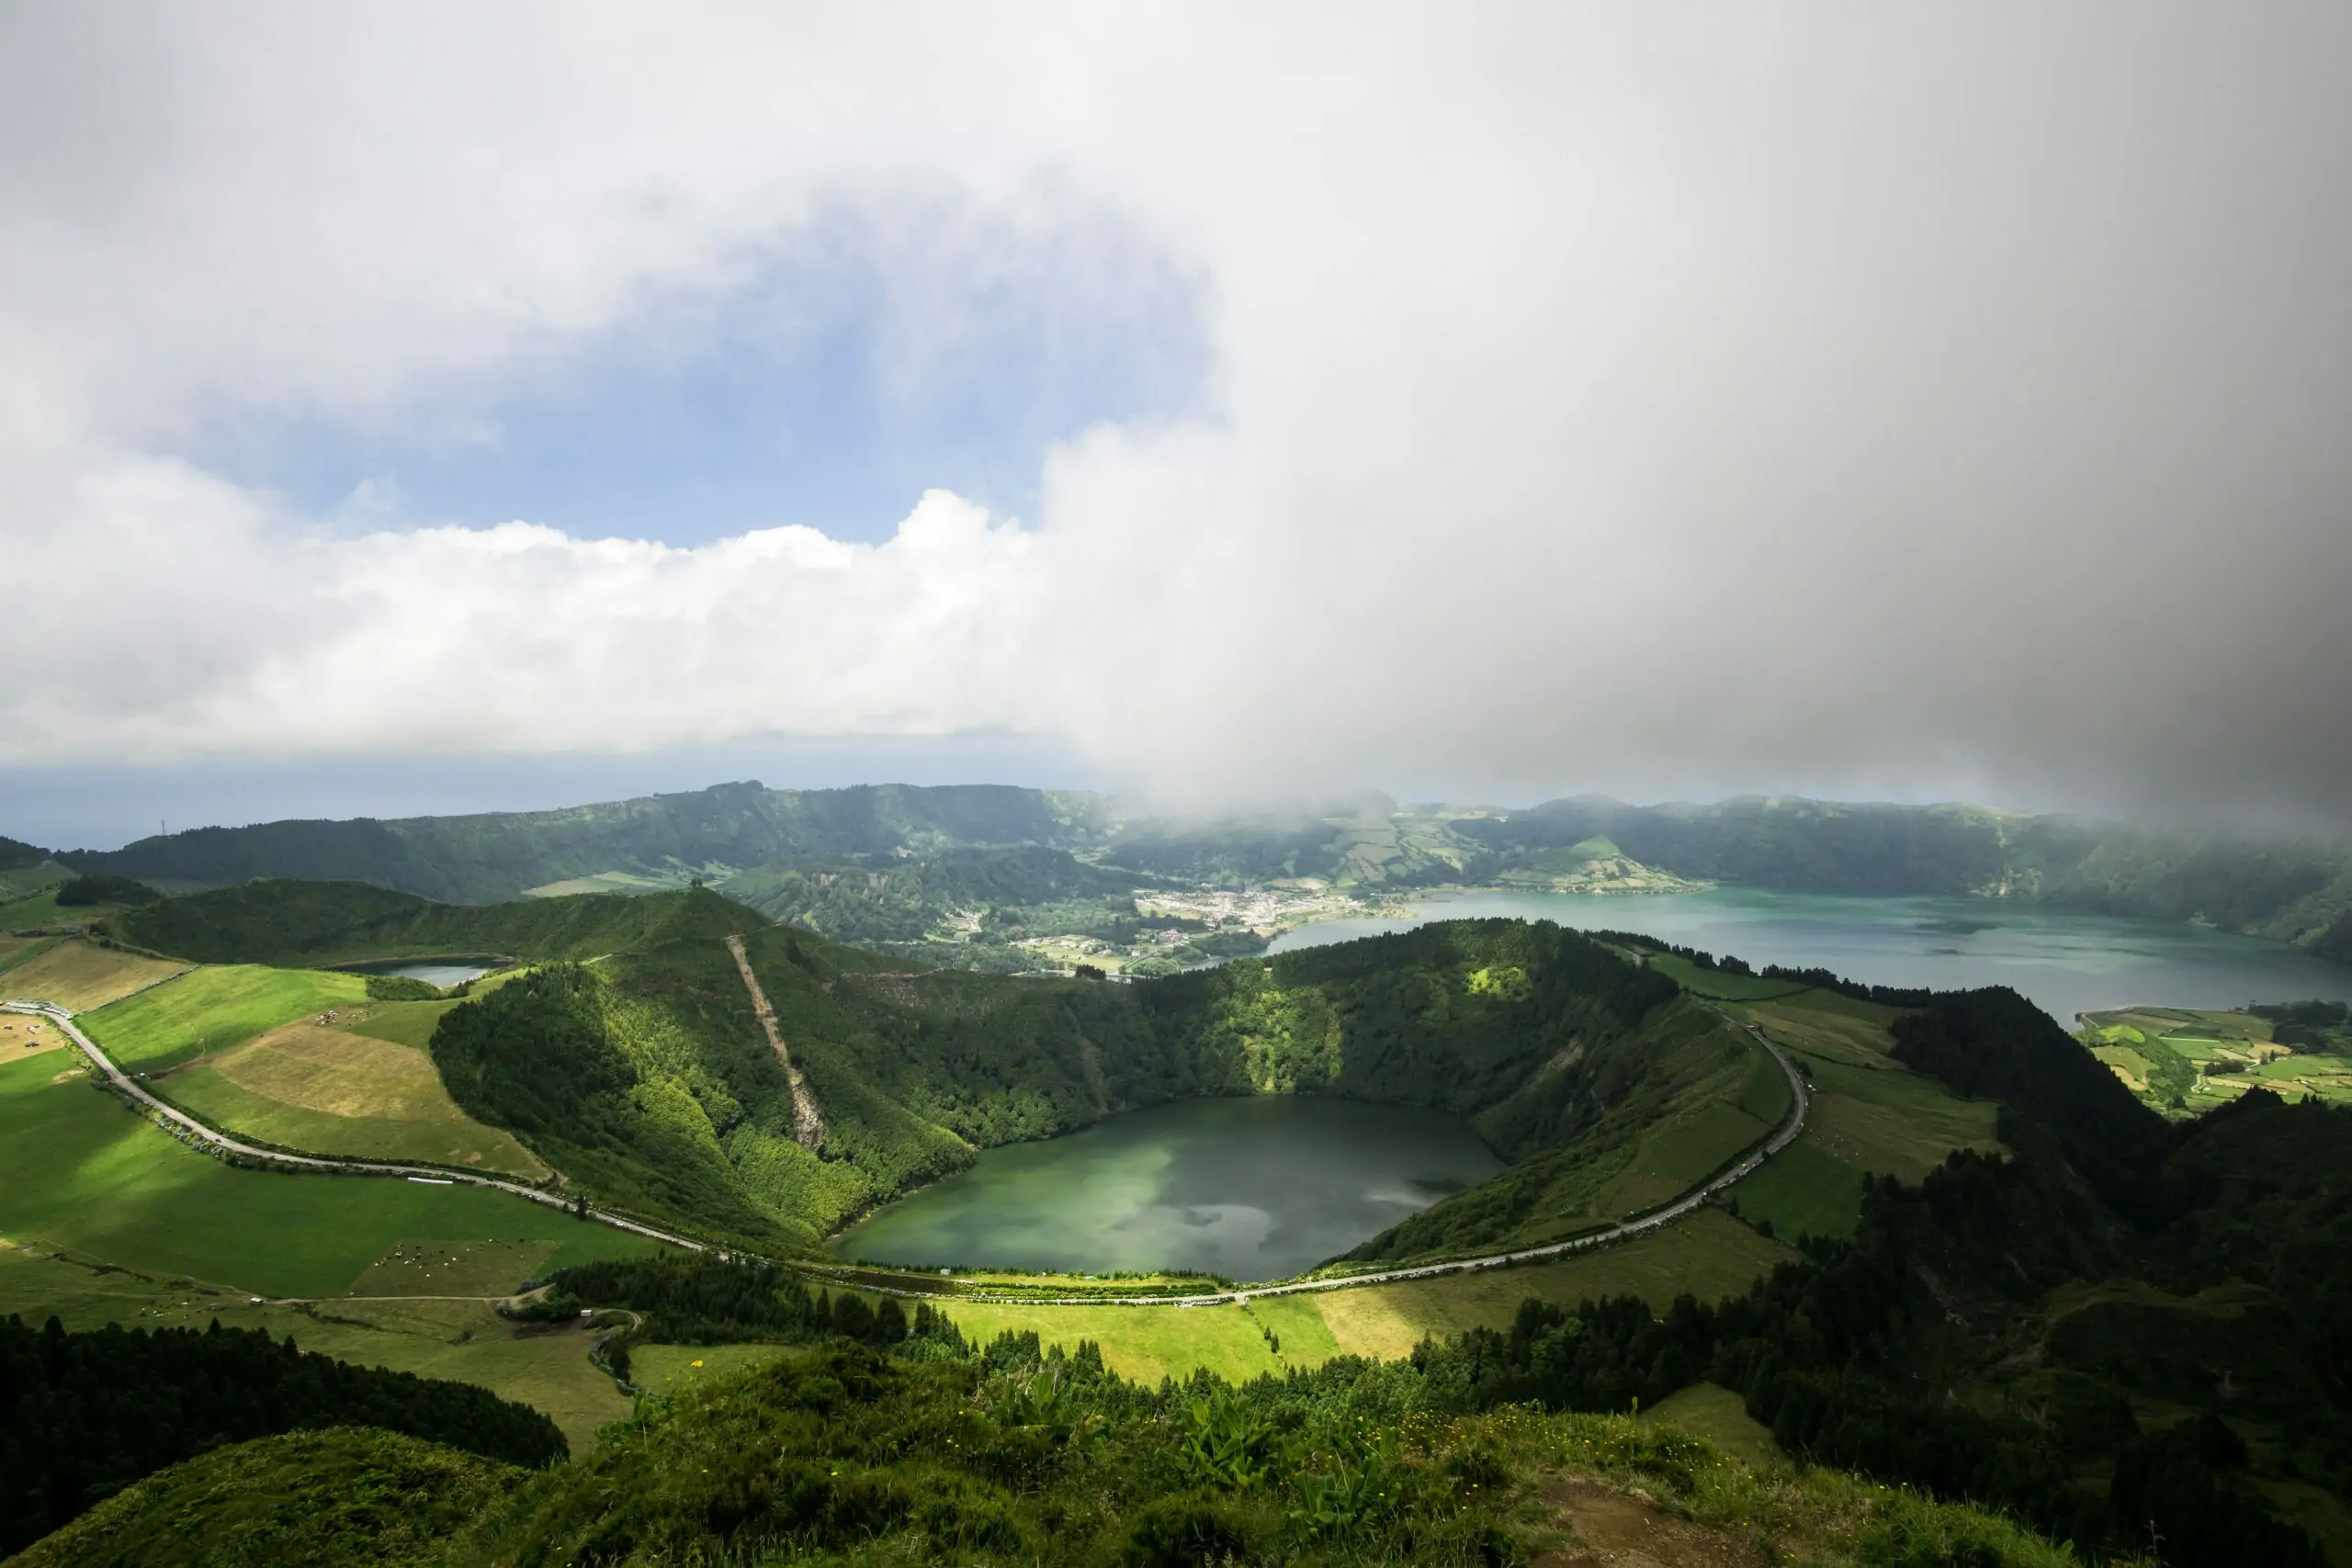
(443, 972)
(1254, 1188)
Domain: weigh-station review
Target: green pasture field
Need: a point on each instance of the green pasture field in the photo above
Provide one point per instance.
(80, 1173)
(2207, 1058)
(403, 1024)
(1717, 986)
(1145, 1343)
(1826, 1025)
(77, 976)
(1709, 1255)
(211, 1008)
(325, 1091)
(1675, 1157)
(547, 1369)
(1801, 1191)
(15, 950)
(1870, 1114)
(42, 908)
(1710, 1411)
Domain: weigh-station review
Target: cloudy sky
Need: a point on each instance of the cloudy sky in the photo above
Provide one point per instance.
(419, 407)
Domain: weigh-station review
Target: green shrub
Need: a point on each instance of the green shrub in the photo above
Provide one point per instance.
(402, 989)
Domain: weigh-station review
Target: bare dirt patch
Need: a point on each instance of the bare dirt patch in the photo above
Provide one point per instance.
(1625, 1529)
(22, 1037)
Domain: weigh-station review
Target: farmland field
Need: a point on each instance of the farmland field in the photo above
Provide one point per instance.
(80, 1174)
(209, 1009)
(327, 1092)
(1870, 1115)
(78, 976)
(2183, 1061)
(1707, 1254)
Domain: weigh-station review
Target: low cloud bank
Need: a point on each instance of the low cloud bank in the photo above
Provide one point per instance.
(1875, 403)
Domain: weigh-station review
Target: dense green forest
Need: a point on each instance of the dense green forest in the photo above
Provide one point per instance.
(2294, 890)
(83, 1415)
(83, 892)
(648, 1078)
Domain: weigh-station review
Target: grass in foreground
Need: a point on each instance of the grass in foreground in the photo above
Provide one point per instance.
(352, 1497)
(848, 1457)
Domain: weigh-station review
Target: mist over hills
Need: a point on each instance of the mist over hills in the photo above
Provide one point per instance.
(925, 849)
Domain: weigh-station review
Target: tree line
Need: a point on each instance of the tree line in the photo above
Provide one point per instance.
(83, 1415)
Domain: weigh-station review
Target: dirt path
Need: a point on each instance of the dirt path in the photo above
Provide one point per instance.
(807, 1123)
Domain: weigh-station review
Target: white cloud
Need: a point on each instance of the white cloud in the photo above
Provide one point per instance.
(1660, 398)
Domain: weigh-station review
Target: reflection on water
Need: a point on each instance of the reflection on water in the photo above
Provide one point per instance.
(1255, 1189)
(2066, 963)
(435, 972)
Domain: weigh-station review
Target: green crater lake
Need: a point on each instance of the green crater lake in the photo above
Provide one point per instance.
(1253, 1188)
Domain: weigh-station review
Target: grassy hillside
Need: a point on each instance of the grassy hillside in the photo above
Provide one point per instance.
(345, 1497)
(80, 976)
(313, 923)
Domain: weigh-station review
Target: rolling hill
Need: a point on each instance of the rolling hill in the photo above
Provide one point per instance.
(1065, 846)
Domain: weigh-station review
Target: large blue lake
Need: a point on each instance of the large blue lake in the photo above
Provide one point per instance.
(2066, 963)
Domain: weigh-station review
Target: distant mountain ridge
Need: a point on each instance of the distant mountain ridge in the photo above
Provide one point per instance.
(2297, 890)
(490, 856)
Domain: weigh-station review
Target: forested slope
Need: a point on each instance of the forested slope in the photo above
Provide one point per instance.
(82, 1415)
(2285, 888)
(2127, 1332)
(308, 924)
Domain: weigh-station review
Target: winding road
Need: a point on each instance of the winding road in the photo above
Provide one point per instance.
(212, 1139)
